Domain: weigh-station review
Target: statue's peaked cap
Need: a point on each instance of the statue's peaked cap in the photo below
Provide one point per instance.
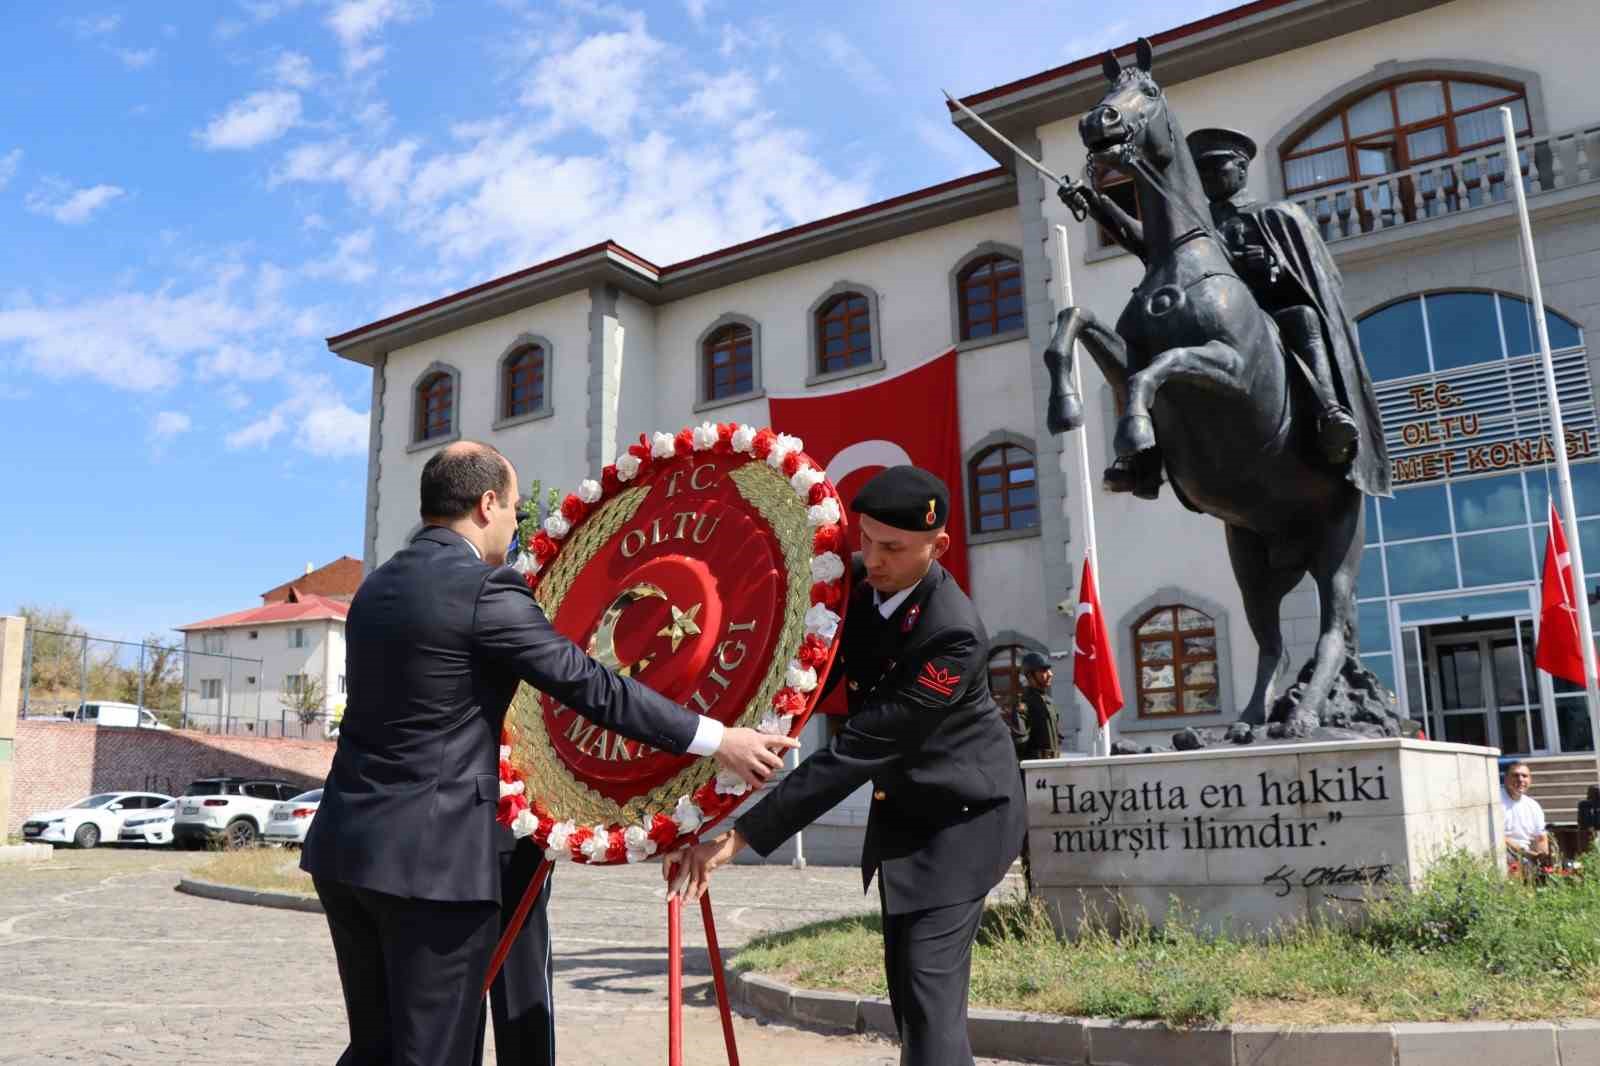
(1221, 140)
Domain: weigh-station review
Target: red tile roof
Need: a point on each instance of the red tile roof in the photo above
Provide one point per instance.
(338, 579)
(301, 609)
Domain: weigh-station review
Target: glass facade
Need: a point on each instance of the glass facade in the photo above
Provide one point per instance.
(1448, 591)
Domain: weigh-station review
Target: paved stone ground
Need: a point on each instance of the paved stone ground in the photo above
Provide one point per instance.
(101, 961)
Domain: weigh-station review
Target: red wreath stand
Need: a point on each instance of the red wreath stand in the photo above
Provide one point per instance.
(689, 585)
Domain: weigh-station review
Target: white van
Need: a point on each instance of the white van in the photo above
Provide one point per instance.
(104, 712)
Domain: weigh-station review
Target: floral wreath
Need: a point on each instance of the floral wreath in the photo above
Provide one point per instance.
(790, 706)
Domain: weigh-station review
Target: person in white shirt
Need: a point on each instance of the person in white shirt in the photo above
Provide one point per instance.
(1525, 826)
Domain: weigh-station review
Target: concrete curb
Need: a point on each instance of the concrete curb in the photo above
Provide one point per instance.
(1101, 1042)
(286, 901)
(26, 853)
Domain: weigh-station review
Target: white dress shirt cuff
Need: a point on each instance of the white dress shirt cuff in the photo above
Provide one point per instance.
(707, 737)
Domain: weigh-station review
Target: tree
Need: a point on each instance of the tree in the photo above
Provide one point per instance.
(57, 643)
(306, 700)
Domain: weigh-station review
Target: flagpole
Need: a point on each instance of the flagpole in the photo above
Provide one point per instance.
(1063, 264)
(1569, 511)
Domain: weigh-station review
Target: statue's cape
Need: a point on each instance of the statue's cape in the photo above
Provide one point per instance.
(1309, 266)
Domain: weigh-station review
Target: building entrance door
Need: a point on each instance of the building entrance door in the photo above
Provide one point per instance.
(1479, 684)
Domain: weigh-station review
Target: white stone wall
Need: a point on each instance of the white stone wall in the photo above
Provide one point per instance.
(551, 448)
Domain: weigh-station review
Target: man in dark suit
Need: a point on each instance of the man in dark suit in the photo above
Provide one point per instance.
(403, 850)
(948, 814)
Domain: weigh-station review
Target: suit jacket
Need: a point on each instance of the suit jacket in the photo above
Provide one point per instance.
(948, 813)
(436, 642)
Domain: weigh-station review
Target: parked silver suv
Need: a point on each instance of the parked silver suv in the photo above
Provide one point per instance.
(230, 811)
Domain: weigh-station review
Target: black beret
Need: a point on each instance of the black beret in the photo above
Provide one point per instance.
(1034, 661)
(905, 497)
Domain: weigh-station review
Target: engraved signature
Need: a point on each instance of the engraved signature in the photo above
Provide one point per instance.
(1288, 877)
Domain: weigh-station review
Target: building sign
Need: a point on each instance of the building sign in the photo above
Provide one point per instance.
(1485, 418)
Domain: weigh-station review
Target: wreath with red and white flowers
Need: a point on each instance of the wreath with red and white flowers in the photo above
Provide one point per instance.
(790, 706)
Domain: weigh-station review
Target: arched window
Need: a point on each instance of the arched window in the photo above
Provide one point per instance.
(435, 406)
(729, 354)
(1175, 662)
(991, 297)
(1005, 673)
(1004, 489)
(1408, 122)
(844, 333)
(1462, 329)
(523, 384)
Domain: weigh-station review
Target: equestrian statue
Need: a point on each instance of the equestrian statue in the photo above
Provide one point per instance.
(1237, 374)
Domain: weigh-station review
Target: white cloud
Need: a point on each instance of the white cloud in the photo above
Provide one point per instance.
(723, 98)
(136, 58)
(238, 362)
(356, 22)
(168, 424)
(599, 83)
(351, 260)
(335, 430)
(258, 118)
(10, 163)
(259, 433)
(314, 222)
(696, 9)
(855, 63)
(323, 423)
(294, 70)
(55, 199)
(233, 397)
(140, 341)
(95, 25)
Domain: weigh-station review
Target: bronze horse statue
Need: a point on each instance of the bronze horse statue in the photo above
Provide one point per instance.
(1198, 366)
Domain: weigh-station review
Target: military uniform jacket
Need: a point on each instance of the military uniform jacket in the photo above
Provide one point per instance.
(1044, 735)
(948, 813)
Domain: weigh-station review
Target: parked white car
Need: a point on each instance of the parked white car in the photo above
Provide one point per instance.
(290, 821)
(91, 820)
(106, 712)
(230, 811)
(153, 827)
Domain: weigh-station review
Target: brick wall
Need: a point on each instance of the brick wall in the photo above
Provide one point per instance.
(57, 763)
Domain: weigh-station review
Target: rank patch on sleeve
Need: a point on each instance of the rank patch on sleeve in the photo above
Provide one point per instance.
(938, 680)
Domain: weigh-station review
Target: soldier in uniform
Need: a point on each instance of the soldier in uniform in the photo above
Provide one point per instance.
(948, 814)
(1044, 733)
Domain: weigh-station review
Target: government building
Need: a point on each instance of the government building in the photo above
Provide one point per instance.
(1379, 118)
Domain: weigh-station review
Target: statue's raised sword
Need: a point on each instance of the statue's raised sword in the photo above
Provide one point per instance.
(1079, 210)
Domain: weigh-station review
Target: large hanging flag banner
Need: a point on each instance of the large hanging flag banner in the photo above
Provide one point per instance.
(854, 430)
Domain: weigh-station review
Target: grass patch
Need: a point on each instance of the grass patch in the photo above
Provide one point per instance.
(264, 869)
(1467, 944)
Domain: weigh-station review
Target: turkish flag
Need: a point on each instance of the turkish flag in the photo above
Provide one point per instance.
(1094, 665)
(1560, 649)
(856, 430)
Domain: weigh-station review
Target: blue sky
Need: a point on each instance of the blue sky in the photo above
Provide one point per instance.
(192, 196)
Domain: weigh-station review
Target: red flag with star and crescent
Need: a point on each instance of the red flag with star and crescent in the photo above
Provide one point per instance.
(1094, 666)
(1560, 648)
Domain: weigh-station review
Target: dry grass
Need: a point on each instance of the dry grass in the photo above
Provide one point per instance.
(265, 869)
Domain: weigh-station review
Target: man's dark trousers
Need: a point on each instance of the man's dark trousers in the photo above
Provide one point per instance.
(521, 998)
(927, 959)
(412, 972)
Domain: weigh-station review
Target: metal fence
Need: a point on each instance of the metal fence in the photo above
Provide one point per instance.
(180, 689)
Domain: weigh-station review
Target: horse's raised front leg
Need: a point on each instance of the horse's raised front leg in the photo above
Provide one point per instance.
(1064, 409)
(1213, 365)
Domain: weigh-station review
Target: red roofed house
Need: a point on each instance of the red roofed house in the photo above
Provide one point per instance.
(245, 668)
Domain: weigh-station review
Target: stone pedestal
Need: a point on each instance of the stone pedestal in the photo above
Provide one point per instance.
(1248, 837)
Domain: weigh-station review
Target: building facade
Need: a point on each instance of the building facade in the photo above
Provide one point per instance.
(1380, 119)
